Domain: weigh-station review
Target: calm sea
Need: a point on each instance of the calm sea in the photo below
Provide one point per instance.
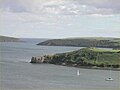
(17, 73)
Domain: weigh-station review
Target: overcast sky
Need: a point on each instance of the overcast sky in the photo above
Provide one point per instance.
(60, 18)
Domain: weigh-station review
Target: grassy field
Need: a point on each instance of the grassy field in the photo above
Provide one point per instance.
(103, 50)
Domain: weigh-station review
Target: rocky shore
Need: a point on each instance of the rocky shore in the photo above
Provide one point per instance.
(37, 59)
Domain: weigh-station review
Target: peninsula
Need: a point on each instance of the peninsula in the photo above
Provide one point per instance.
(102, 42)
(85, 57)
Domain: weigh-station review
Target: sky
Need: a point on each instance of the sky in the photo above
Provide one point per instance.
(60, 18)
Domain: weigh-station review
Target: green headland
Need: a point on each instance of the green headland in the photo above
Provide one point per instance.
(85, 57)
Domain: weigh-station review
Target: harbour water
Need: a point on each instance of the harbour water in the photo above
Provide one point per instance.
(16, 73)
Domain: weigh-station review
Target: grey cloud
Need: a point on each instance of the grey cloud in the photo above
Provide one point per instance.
(12, 5)
(79, 9)
(101, 3)
(114, 5)
(68, 7)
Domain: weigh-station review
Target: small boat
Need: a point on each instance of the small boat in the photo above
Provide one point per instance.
(78, 72)
(109, 79)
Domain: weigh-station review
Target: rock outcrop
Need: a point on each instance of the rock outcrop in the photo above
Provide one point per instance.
(39, 59)
(42, 59)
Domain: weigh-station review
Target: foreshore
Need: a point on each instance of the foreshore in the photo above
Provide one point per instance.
(99, 68)
(87, 67)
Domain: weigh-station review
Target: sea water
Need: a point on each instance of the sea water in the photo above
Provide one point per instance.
(17, 73)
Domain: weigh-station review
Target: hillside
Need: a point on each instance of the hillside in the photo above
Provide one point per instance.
(87, 57)
(8, 39)
(84, 42)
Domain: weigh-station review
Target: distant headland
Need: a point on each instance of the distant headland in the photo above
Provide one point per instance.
(8, 39)
(102, 42)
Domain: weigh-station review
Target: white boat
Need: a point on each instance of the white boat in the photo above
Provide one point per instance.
(109, 79)
(78, 72)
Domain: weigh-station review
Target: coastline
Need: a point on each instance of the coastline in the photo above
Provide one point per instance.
(99, 68)
(85, 67)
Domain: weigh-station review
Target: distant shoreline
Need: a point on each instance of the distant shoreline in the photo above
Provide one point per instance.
(8, 39)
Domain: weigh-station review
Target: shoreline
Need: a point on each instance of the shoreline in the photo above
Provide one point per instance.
(97, 68)
(100, 68)
(85, 67)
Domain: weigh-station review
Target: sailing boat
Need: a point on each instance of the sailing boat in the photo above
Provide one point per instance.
(78, 72)
(109, 78)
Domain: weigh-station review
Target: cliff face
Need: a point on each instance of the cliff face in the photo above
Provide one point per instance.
(42, 59)
(37, 59)
(83, 57)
